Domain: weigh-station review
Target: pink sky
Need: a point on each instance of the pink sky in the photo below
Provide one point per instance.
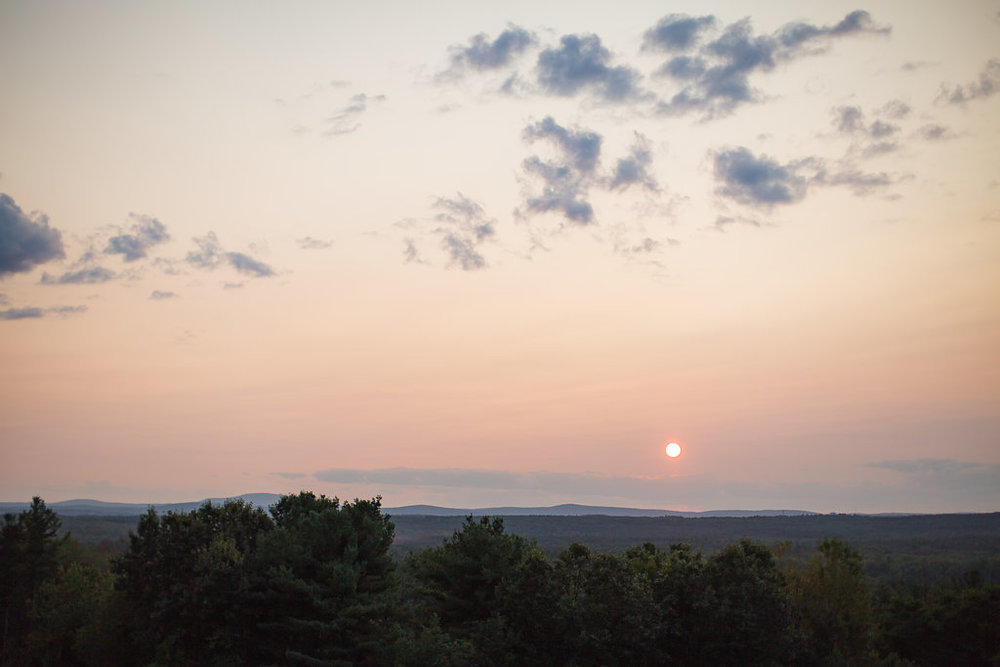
(319, 249)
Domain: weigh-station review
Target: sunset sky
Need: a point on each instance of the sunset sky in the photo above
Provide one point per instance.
(474, 254)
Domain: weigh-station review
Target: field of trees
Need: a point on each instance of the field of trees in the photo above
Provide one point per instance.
(318, 582)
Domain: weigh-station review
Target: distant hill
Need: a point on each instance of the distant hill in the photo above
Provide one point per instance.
(85, 507)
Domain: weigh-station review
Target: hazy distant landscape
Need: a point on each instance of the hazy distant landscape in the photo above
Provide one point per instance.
(915, 548)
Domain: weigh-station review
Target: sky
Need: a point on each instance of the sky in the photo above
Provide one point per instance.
(480, 254)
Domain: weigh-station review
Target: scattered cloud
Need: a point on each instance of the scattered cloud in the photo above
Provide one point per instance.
(676, 32)
(210, 254)
(25, 240)
(716, 80)
(860, 183)
(580, 148)
(35, 313)
(348, 119)
(410, 253)
(757, 181)
(935, 132)
(987, 85)
(481, 54)
(896, 109)
(89, 276)
(463, 226)
(157, 295)
(21, 313)
(634, 168)
(146, 232)
(567, 180)
(309, 243)
(582, 64)
(248, 265)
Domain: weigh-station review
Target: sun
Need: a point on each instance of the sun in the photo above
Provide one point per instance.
(673, 450)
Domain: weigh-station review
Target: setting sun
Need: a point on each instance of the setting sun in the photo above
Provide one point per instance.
(673, 450)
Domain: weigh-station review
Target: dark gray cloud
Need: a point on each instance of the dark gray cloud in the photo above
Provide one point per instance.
(35, 313)
(580, 148)
(157, 295)
(21, 313)
(146, 232)
(88, 276)
(463, 226)
(248, 265)
(482, 54)
(25, 241)
(564, 191)
(717, 79)
(757, 181)
(676, 32)
(987, 85)
(309, 243)
(634, 168)
(210, 254)
(581, 64)
(348, 119)
(565, 181)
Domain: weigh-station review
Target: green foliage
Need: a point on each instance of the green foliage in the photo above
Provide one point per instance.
(29, 554)
(315, 585)
(186, 578)
(325, 583)
(833, 601)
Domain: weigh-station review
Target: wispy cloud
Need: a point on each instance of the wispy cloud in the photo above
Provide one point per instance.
(715, 79)
(35, 313)
(309, 243)
(209, 254)
(987, 85)
(25, 241)
(348, 119)
(145, 233)
(89, 276)
(158, 295)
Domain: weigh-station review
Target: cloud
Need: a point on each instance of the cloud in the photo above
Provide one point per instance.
(676, 32)
(581, 148)
(146, 233)
(717, 80)
(25, 241)
(248, 265)
(941, 484)
(935, 132)
(481, 54)
(634, 169)
(861, 183)
(410, 252)
(35, 313)
(463, 226)
(895, 109)
(21, 313)
(849, 119)
(157, 295)
(987, 85)
(209, 252)
(348, 119)
(210, 255)
(566, 181)
(581, 64)
(309, 243)
(757, 181)
(89, 276)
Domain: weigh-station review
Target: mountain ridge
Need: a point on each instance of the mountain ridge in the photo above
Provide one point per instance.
(91, 507)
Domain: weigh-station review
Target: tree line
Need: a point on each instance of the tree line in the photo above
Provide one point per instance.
(312, 582)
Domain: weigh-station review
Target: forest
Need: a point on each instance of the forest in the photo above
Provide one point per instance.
(313, 581)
